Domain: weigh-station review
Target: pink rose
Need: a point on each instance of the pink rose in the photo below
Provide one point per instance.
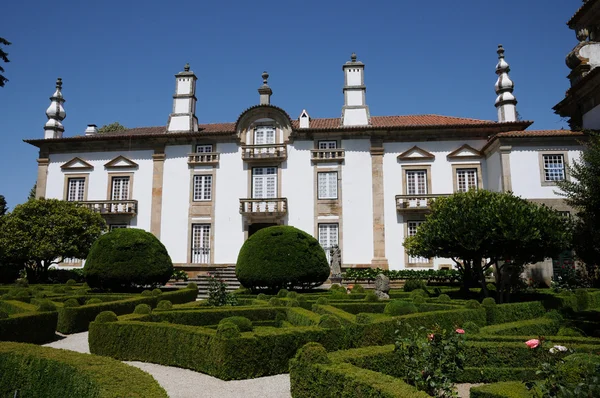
(533, 343)
(430, 336)
(460, 331)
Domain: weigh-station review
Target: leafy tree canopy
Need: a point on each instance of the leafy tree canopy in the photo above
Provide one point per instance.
(582, 192)
(41, 232)
(3, 206)
(3, 57)
(116, 126)
(32, 192)
(478, 229)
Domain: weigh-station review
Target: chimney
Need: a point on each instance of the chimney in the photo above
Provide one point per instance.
(355, 111)
(183, 118)
(91, 129)
(304, 120)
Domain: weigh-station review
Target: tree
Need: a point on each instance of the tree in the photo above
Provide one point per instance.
(116, 126)
(41, 232)
(32, 192)
(3, 57)
(127, 257)
(3, 206)
(582, 192)
(481, 229)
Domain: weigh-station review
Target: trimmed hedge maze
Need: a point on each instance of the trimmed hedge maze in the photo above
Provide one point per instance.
(34, 314)
(219, 342)
(30, 370)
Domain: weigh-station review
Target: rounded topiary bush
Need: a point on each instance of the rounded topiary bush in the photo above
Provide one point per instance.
(419, 300)
(23, 295)
(339, 295)
(142, 309)
(46, 306)
(164, 305)
(106, 316)
(488, 302)
(418, 292)
(58, 289)
(329, 322)
(262, 296)
(292, 295)
(335, 286)
(358, 288)
(282, 293)
(228, 330)
(71, 303)
(312, 353)
(371, 297)
(444, 298)
(472, 304)
(281, 257)
(244, 324)
(322, 301)
(126, 257)
(192, 285)
(147, 293)
(71, 282)
(156, 292)
(292, 303)
(414, 284)
(275, 302)
(93, 301)
(399, 307)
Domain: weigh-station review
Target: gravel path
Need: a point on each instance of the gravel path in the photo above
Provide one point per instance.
(184, 383)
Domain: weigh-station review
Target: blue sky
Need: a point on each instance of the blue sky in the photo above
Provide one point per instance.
(117, 60)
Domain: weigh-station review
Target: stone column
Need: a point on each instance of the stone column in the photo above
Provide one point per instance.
(42, 176)
(158, 162)
(379, 259)
(505, 167)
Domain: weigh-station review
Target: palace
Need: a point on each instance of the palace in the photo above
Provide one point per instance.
(359, 181)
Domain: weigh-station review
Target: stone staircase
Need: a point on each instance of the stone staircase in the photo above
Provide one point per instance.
(226, 274)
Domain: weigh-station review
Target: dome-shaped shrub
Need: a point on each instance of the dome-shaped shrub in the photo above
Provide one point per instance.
(322, 301)
(281, 257)
(106, 316)
(472, 304)
(276, 302)
(244, 324)
(282, 293)
(142, 309)
(358, 288)
(228, 330)
(71, 303)
(398, 307)
(93, 301)
(312, 353)
(444, 298)
(371, 297)
(46, 306)
(488, 302)
(192, 285)
(329, 322)
(292, 303)
(262, 296)
(164, 305)
(126, 257)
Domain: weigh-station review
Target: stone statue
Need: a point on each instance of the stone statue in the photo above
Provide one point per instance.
(382, 287)
(335, 262)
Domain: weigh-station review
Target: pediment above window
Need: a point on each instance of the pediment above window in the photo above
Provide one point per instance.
(76, 164)
(465, 152)
(121, 162)
(416, 153)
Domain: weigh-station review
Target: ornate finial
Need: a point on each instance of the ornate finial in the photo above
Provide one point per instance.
(353, 57)
(186, 67)
(59, 83)
(500, 51)
(265, 77)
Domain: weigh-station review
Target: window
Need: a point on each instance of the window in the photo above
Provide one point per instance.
(412, 231)
(416, 182)
(264, 182)
(327, 144)
(328, 237)
(120, 188)
(264, 135)
(200, 243)
(328, 185)
(116, 226)
(554, 168)
(202, 187)
(204, 148)
(76, 189)
(466, 179)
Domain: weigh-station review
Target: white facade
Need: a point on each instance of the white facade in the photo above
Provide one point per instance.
(203, 189)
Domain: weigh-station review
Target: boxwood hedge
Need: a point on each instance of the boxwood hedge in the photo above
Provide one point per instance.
(35, 371)
(29, 327)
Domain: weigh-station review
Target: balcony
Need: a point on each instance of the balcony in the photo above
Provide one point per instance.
(416, 203)
(112, 207)
(327, 155)
(263, 209)
(261, 153)
(203, 158)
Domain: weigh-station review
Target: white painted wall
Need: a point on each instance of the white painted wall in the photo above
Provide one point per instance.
(179, 123)
(175, 202)
(184, 85)
(357, 202)
(591, 119)
(354, 77)
(525, 170)
(98, 180)
(355, 117)
(182, 105)
(354, 97)
(494, 172)
(297, 185)
(441, 183)
(231, 185)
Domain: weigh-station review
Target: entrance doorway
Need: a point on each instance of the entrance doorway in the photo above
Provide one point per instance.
(253, 228)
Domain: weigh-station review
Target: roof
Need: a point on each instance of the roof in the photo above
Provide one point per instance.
(540, 133)
(587, 5)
